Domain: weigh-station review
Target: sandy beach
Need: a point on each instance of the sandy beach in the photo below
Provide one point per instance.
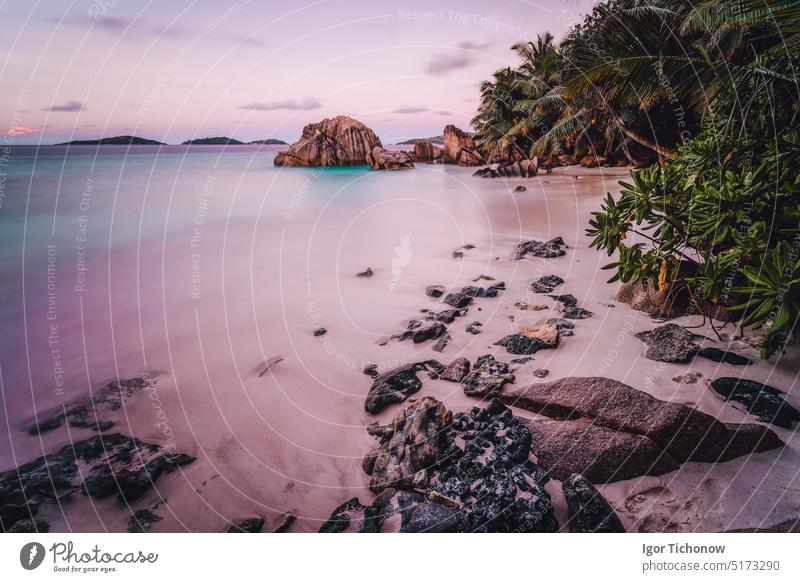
(267, 270)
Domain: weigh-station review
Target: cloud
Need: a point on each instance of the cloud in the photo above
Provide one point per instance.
(469, 45)
(442, 112)
(21, 131)
(290, 104)
(410, 109)
(446, 63)
(68, 106)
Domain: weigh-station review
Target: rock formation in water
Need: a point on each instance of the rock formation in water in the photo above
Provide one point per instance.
(337, 141)
(460, 148)
(383, 159)
(425, 151)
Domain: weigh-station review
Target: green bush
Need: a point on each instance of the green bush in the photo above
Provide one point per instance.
(731, 209)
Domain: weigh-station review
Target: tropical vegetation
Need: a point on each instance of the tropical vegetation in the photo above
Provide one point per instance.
(705, 97)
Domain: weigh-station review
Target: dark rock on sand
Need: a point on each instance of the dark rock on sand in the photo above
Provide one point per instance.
(520, 345)
(609, 431)
(249, 525)
(719, 355)
(84, 412)
(487, 377)
(520, 189)
(320, 331)
(398, 384)
(589, 512)
(475, 328)
(563, 326)
(29, 526)
(764, 402)
(464, 297)
(546, 284)
(365, 273)
(458, 300)
(541, 373)
(441, 343)
(428, 332)
(570, 309)
(669, 343)
(545, 250)
(348, 517)
(455, 370)
(142, 521)
(434, 290)
(371, 370)
(98, 466)
(485, 467)
(408, 445)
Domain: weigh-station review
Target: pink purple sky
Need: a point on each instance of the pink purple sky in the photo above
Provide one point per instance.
(178, 70)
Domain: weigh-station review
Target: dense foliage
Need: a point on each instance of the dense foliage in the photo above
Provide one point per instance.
(711, 91)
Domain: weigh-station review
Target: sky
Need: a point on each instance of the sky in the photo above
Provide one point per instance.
(248, 69)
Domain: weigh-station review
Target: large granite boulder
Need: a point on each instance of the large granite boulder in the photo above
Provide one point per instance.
(425, 151)
(460, 148)
(383, 159)
(610, 431)
(337, 141)
(669, 343)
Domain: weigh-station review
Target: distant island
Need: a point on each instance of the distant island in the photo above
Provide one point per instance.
(267, 142)
(118, 140)
(439, 140)
(231, 141)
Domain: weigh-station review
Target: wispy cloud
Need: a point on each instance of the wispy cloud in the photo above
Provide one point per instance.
(290, 104)
(21, 131)
(464, 57)
(410, 109)
(68, 106)
(442, 112)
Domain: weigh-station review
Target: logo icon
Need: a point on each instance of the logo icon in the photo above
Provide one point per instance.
(31, 555)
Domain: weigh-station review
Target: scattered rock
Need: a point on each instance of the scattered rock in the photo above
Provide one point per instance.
(464, 297)
(520, 345)
(690, 378)
(762, 401)
(249, 525)
(98, 466)
(483, 277)
(29, 526)
(434, 290)
(397, 384)
(371, 370)
(337, 141)
(458, 300)
(348, 517)
(669, 343)
(522, 361)
(487, 377)
(441, 343)
(546, 284)
(589, 512)
(541, 373)
(428, 332)
(455, 370)
(475, 328)
(547, 334)
(365, 273)
(563, 326)
(84, 412)
(522, 306)
(320, 331)
(142, 521)
(609, 431)
(570, 309)
(545, 250)
(520, 189)
(719, 355)
(383, 159)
